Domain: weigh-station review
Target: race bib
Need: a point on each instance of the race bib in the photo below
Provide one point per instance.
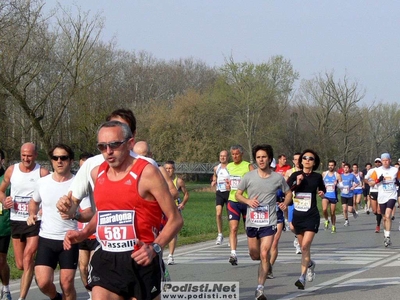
(330, 187)
(234, 181)
(388, 186)
(116, 230)
(260, 215)
(345, 189)
(302, 201)
(21, 204)
(221, 186)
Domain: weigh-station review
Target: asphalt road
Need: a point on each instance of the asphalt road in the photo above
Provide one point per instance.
(351, 264)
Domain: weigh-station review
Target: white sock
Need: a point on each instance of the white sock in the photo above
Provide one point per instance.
(6, 288)
(260, 287)
(220, 234)
(233, 252)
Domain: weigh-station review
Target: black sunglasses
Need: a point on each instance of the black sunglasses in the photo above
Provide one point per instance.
(62, 157)
(310, 158)
(113, 145)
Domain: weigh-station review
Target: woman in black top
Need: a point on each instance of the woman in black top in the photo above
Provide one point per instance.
(306, 185)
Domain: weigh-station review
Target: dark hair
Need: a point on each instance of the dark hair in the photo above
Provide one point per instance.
(67, 148)
(355, 165)
(169, 162)
(281, 155)
(347, 165)
(125, 114)
(85, 155)
(316, 161)
(2, 156)
(332, 161)
(267, 148)
(368, 164)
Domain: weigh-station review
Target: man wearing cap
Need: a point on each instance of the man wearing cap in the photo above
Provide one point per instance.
(373, 194)
(386, 179)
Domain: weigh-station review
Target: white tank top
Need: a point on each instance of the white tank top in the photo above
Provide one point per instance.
(22, 187)
(222, 175)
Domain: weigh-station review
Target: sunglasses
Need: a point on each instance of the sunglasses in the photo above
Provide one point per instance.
(310, 158)
(113, 145)
(62, 157)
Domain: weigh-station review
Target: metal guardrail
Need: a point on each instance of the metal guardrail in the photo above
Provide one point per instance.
(194, 168)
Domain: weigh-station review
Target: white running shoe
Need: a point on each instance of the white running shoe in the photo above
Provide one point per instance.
(387, 241)
(260, 295)
(310, 272)
(220, 239)
(297, 245)
(171, 260)
(346, 223)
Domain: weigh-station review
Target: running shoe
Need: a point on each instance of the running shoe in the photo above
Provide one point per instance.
(171, 260)
(220, 239)
(393, 217)
(326, 224)
(368, 212)
(333, 229)
(260, 294)
(295, 242)
(298, 249)
(5, 295)
(300, 283)
(355, 214)
(233, 260)
(377, 229)
(310, 271)
(270, 275)
(387, 241)
(346, 223)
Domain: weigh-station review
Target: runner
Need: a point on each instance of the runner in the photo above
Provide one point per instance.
(220, 180)
(373, 194)
(347, 186)
(358, 190)
(366, 188)
(262, 186)
(306, 184)
(386, 179)
(331, 180)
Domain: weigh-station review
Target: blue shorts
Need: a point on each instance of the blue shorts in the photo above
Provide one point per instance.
(357, 192)
(235, 209)
(331, 200)
(253, 232)
(290, 213)
(280, 216)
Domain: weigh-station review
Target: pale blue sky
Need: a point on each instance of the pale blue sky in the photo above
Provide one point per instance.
(358, 38)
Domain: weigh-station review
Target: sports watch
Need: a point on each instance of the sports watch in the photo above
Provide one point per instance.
(157, 248)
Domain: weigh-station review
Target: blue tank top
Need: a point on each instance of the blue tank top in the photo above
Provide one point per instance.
(330, 185)
(347, 181)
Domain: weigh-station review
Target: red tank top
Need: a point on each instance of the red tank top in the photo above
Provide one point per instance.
(124, 195)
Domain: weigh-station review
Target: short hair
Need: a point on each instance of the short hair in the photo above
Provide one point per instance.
(125, 114)
(347, 165)
(355, 164)
(2, 156)
(296, 153)
(170, 162)
(126, 131)
(368, 164)
(267, 148)
(316, 161)
(281, 155)
(85, 155)
(332, 161)
(237, 147)
(65, 147)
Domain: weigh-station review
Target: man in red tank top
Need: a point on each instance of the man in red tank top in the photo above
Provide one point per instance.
(130, 195)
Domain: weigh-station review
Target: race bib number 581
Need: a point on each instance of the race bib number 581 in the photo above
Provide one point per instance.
(116, 230)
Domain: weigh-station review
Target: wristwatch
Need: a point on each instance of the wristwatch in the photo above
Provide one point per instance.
(157, 248)
(77, 216)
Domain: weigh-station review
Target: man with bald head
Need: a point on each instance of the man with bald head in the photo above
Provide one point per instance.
(22, 177)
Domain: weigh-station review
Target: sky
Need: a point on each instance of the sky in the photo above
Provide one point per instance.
(359, 39)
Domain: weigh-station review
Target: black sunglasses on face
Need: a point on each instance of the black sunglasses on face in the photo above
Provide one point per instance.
(62, 157)
(113, 145)
(310, 158)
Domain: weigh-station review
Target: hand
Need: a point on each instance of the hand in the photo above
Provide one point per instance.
(299, 179)
(143, 254)
(282, 206)
(253, 202)
(8, 202)
(181, 206)
(321, 194)
(72, 237)
(31, 220)
(64, 203)
(380, 179)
